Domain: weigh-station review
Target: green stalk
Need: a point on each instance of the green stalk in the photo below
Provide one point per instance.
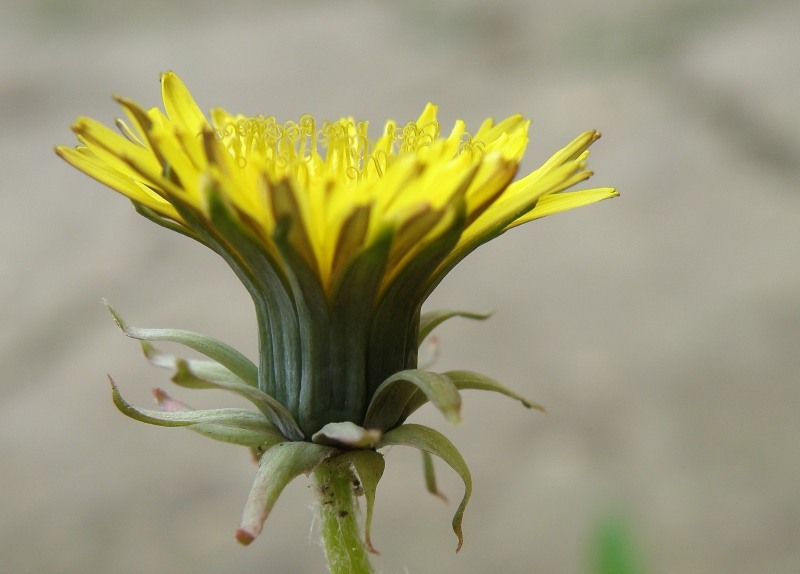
(341, 536)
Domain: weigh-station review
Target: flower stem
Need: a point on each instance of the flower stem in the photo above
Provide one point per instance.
(341, 535)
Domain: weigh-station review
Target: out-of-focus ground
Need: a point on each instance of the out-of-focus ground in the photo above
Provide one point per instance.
(660, 329)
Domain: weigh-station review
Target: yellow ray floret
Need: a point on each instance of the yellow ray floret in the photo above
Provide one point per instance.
(339, 189)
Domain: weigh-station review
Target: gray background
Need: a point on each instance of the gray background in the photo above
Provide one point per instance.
(660, 329)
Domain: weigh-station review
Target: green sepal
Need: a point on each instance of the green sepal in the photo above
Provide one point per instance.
(468, 380)
(279, 465)
(347, 435)
(317, 398)
(221, 232)
(395, 327)
(352, 310)
(432, 319)
(206, 369)
(260, 272)
(351, 239)
(205, 374)
(392, 397)
(224, 354)
(369, 466)
(231, 418)
(269, 407)
(240, 437)
(430, 475)
(257, 441)
(434, 442)
(167, 223)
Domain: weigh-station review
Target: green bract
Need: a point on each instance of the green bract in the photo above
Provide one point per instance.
(274, 436)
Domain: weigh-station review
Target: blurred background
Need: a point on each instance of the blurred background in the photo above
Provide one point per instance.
(660, 329)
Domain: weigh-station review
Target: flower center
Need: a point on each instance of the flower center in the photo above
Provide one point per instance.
(339, 150)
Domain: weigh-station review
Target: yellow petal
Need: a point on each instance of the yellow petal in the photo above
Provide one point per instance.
(84, 160)
(181, 108)
(574, 150)
(517, 200)
(428, 115)
(557, 202)
(112, 148)
(490, 131)
(492, 178)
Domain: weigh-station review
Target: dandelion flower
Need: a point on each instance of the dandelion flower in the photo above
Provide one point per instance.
(339, 239)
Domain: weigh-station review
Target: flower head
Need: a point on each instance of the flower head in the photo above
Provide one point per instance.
(327, 187)
(339, 239)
